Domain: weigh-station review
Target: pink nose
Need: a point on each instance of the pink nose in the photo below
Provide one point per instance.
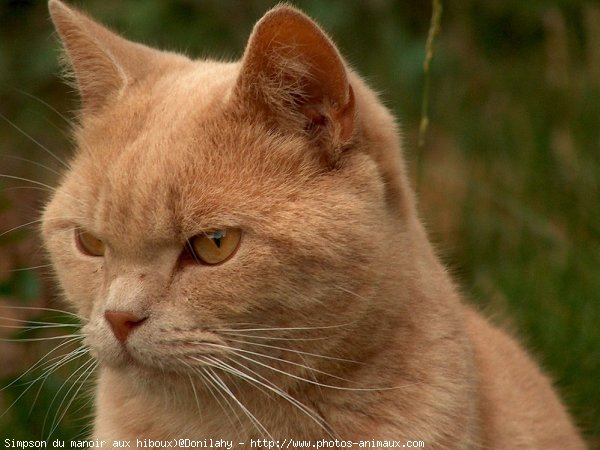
(122, 323)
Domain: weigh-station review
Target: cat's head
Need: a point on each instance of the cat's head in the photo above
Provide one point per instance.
(214, 206)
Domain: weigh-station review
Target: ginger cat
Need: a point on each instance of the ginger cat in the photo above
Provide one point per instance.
(242, 244)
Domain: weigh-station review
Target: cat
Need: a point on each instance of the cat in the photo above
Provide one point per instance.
(242, 244)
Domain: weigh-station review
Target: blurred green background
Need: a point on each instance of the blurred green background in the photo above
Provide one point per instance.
(509, 175)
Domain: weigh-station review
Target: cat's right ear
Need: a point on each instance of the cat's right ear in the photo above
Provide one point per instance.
(102, 62)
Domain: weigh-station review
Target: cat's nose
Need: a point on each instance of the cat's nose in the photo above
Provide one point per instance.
(122, 323)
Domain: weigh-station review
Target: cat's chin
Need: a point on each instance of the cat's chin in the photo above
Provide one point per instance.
(119, 360)
(126, 362)
(128, 365)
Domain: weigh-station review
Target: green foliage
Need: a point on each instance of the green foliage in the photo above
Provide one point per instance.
(511, 170)
(23, 284)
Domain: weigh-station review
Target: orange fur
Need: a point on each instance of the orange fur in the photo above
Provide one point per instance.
(354, 326)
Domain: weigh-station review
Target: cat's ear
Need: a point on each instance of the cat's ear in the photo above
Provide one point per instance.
(103, 63)
(293, 70)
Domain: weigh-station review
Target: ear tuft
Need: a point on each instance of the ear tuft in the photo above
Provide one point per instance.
(291, 66)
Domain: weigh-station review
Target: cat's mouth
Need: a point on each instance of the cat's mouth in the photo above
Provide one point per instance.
(162, 353)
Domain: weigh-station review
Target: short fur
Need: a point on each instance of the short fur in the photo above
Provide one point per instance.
(335, 306)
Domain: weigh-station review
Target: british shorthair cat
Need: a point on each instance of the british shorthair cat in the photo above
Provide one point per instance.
(242, 244)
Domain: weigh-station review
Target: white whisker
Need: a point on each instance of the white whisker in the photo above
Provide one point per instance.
(36, 324)
(49, 106)
(42, 361)
(87, 372)
(247, 358)
(48, 338)
(278, 391)
(250, 416)
(23, 329)
(195, 395)
(273, 338)
(235, 372)
(341, 288)
(237, 350)
(43, 309)
(324, 327)
(27, 180)
(35, 163)
(64, 360)
(23, 269)
(18, 227)
(300, 352)
(43, 147)
(216, 393)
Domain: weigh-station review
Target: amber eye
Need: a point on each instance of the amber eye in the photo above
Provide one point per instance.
(214, 247)
(88, 243)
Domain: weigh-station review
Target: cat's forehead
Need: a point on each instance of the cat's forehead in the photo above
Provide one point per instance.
(176, 155)
(164, 104)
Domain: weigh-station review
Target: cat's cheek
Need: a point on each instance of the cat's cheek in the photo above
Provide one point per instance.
(80, 277)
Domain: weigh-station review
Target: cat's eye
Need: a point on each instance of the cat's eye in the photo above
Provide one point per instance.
(214, 247)
(88, 244)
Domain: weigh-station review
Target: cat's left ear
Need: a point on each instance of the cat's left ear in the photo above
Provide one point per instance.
(103, 63)
(295, 73)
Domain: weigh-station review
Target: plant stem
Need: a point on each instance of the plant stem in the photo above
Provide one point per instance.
(434, 29)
